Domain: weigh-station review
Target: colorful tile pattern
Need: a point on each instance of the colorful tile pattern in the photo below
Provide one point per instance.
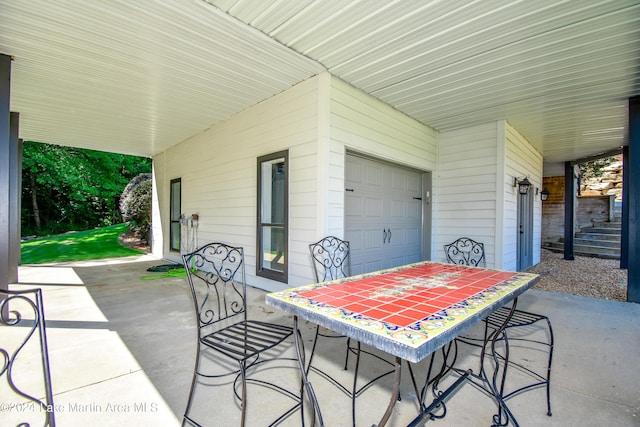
(408, 311)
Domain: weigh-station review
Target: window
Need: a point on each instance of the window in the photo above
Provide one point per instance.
(174, 214)
(272, 233)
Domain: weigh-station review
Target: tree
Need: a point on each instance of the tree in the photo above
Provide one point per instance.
(67, 188)
(135, 205)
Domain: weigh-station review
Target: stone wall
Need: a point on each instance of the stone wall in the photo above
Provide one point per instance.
(587, 208)
(609, 184)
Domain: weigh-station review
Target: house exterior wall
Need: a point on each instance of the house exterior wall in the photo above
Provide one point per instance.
(553, 210)
(218, 168)
(362, 124)
(465, 196)
(521, 159)
(474, 195)
(317, 121)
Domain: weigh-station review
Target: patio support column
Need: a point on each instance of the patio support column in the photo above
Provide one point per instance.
(632, 187)
(5, 83)
(624, 241)
(15, 187)
(569, 200)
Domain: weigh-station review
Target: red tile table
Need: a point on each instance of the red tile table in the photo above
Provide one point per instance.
(408, 311)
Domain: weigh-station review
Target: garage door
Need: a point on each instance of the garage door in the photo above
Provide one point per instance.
(383, 214)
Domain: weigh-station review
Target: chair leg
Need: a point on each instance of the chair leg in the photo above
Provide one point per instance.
(243, 404)
(346, 357)
(355, 384)
(549, 367)
(313, 349)
(185, 417)
(546, 380)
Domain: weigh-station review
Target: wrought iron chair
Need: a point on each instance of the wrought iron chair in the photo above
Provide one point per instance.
(21, 326)
(332, 260)
(216, 276)
(465, 251)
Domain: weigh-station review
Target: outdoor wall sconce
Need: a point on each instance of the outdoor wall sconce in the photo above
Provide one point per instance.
(544, 194)
(523, 186)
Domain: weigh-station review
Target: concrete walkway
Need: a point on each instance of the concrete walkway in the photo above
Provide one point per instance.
(122, 351)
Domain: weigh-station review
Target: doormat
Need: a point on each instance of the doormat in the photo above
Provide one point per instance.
(165, 270)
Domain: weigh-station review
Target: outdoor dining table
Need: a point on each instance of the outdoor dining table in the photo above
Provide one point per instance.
(408, 311)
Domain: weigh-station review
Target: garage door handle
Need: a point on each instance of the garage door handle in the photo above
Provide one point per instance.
(384, 236)
(389, 233)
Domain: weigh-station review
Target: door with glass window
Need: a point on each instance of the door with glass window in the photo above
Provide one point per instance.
(272, 216)
(175, 214)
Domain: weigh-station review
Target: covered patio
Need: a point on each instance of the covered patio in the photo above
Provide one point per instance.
(122, 352)
(464, 92)
(475, 97)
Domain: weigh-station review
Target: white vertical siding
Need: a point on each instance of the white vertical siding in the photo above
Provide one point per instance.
(465, 201)
(522, 159)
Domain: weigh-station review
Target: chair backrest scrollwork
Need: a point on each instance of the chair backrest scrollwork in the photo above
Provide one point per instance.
(216, 276)
(331, 258)
(466, 251)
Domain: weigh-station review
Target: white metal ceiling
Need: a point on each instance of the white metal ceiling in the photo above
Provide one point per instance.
(141, 76)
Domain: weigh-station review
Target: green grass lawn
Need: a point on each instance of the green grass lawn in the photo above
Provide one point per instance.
(77, 246)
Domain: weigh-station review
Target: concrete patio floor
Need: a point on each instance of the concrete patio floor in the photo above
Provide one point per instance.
(122, 353)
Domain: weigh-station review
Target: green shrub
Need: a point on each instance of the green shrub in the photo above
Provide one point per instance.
(135, 205)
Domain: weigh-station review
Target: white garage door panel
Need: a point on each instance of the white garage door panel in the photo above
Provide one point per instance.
(353, 206)
(373, 239)
(373, 208)
(411, 236)
(384, 213)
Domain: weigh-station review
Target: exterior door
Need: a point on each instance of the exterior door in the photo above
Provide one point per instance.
(525, 230)
(383, 214)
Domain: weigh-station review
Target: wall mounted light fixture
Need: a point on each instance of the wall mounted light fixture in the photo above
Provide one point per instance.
(544, 194)
(523, 185)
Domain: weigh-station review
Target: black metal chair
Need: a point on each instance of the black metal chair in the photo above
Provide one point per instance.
(21, 323)
(465, 251)
(216, 276)
(332, 260)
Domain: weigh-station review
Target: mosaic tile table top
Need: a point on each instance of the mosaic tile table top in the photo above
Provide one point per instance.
(408, 311)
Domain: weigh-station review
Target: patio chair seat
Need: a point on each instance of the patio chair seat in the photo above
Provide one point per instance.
(245, 339)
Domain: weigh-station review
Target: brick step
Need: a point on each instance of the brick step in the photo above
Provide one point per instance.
(607, 224)
(594, 250)
(595, 242)
(599, 237)
(603, 230)
(582, 253)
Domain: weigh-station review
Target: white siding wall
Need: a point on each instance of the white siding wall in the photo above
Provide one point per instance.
(521, 159)
(474, 194)
(361, 123)
(465, 197)
(218, 168)
(317, 121)
(159, 227)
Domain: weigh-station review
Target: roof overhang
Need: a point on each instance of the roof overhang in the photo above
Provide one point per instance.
(140, 77)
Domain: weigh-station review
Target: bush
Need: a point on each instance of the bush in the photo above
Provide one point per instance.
(135, 205)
